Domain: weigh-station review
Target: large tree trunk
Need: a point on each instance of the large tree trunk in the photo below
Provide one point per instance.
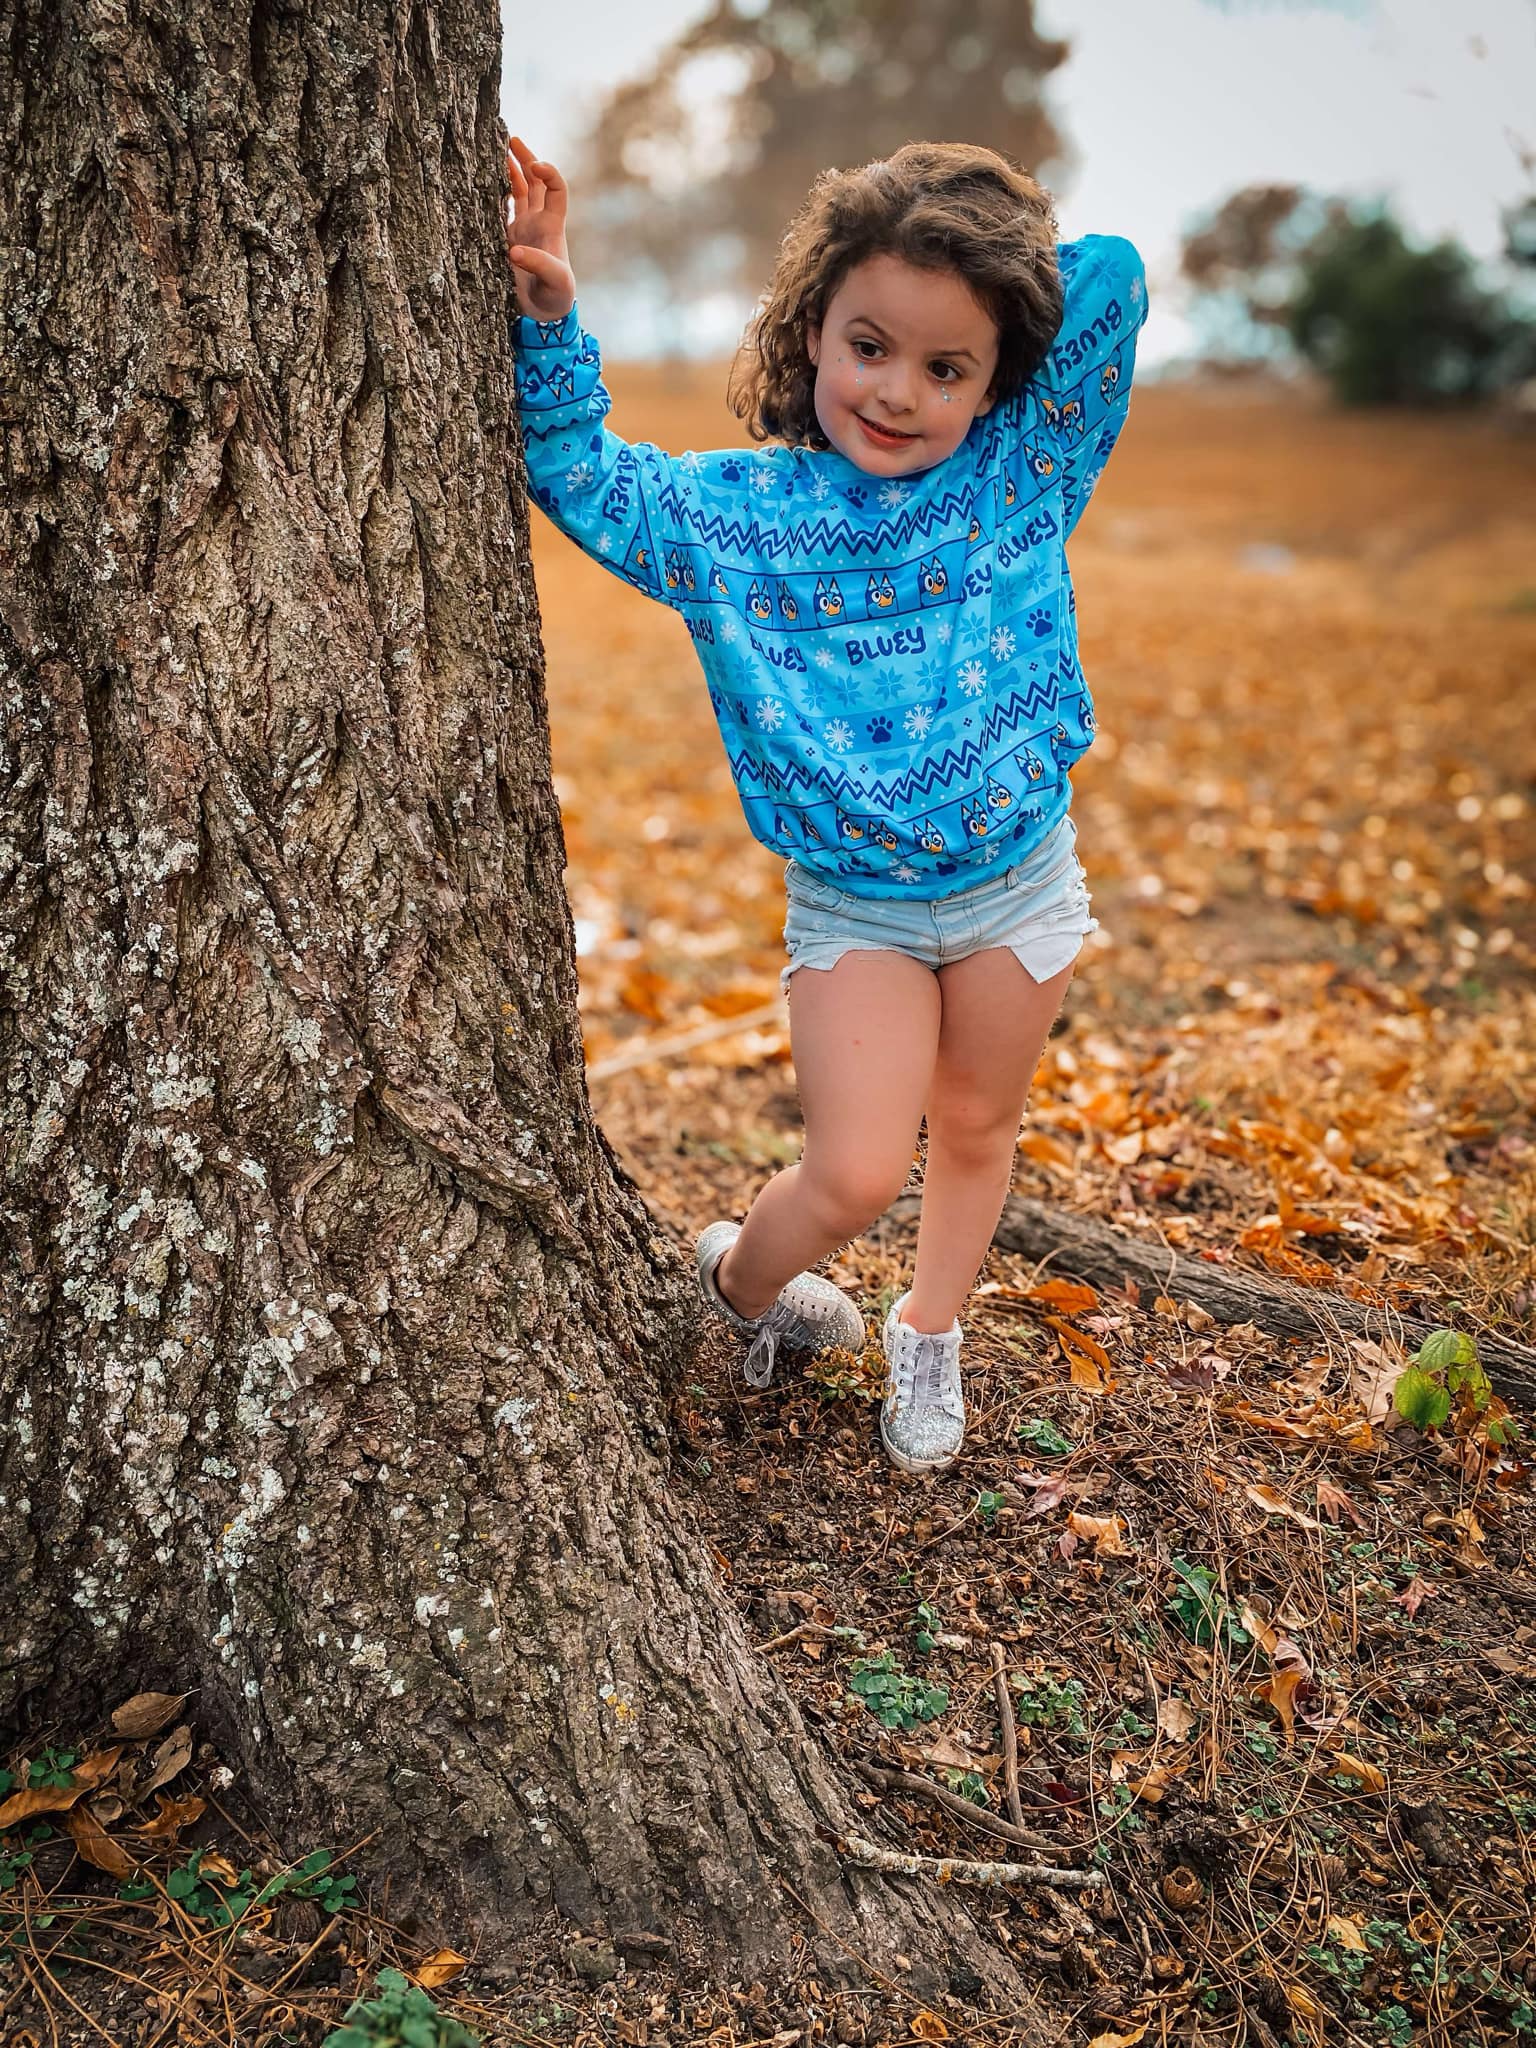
(331, 1333)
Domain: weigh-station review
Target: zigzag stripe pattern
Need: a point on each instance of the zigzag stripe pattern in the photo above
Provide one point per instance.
(845, 619)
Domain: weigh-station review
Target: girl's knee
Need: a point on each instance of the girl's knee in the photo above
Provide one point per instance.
(972, 1127)
(850, 1192)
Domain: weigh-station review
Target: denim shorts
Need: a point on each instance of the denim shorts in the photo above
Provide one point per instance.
(1038, 909)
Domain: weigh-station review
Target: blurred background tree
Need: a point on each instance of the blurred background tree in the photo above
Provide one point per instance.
(691, 173)
(1281, 274)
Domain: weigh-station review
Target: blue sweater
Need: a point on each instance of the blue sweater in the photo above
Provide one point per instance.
(893, 665)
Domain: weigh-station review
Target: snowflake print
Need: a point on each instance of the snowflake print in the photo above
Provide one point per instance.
(904, 871)
(839, 735)
(972, 678)
(944, 632)
(917, 721)
(821, 489)
(770, 714)
(692, 462)
(578, 476)
(824, 657)
(990, 851)
(1003, 644)
(762, 479)
(931, 672)
(728, 629)
(605, 544)
(893, 495)
(887, 685)
(1135, 291)
(974, 630)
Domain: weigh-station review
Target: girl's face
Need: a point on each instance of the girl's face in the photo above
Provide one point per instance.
(906, 350)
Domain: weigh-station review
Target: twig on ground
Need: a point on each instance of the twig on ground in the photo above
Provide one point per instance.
(956, 1870)
(806, 1632)
(880, 1779)
(1010, 1734)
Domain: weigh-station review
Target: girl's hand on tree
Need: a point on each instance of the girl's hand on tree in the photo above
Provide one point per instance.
(546, 284)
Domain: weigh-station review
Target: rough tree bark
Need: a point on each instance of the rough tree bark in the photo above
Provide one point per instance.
(331, 1331)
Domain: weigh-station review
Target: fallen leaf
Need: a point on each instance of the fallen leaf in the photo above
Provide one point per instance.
(1415, 1593)
(929, 2027)
(1085, 1356)
(1104, 1532)
(441, 1967)
(1050, 1490)
(945, 1754)
(1120, 2040)
(1280, 1691)
(1373, 1373)
(146, 1714)
(173, 1755)
(1300, 1999)
(174, 1815)
(1175, 1719)
(1347, 1933)
(218, 1867)
(95, 1845)
(1353, 1767)
(1333, 1501)
(59, 1798)
(1154, 1782)
(1274, 1502)
(1072, 1297)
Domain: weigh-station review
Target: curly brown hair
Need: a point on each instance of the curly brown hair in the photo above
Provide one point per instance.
(937, 205)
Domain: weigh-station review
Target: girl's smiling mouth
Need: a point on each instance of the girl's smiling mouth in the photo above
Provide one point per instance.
(883, 437)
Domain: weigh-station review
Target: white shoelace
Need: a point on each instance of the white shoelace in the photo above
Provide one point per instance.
(920, 1375)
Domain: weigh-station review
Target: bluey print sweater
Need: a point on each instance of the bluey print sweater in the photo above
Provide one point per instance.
(893, 664)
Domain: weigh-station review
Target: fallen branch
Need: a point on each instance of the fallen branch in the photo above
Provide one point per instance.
(1010, 1734)
(955, 1870)
(880, 1779)
(670, 1044)
(1105, 1257)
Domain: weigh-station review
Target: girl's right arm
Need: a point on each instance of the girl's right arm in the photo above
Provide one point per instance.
(622, 503)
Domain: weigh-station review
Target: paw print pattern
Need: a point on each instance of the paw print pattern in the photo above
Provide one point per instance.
(1038, 622)
(879, 731)
(857, 495)
(731, 472)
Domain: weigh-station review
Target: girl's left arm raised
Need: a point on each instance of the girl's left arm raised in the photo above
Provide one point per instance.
(1074, 407)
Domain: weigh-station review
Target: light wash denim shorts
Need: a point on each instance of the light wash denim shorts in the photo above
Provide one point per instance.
(1038, 909)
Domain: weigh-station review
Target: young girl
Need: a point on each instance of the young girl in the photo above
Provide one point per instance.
(883, 611)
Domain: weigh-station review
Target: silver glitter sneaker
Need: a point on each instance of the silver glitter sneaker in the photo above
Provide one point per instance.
(922, 1421)
(809, 1315)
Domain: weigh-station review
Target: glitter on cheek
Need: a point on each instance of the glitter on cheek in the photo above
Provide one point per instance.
(945, 395)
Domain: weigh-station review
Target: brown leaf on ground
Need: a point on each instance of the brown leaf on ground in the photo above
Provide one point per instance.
(1085, 1356)
(146, 1714)
(1280, 1691)
(1105, 1532)
(173, 1817)
(441, 1967)
(1274, 1502)
(1333, 1501)
(1175, 1719)
(95, 1845)
(1348, 1766)
(172, 1757)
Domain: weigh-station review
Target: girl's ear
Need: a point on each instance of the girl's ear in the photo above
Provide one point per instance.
(813, 340)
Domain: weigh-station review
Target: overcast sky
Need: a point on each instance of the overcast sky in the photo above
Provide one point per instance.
(1171, 104)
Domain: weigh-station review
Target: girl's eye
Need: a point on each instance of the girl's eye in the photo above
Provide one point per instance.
(951, 367)
(865, 342)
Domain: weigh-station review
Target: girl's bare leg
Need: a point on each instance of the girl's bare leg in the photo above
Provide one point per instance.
(864, 1035)
(994, 1023)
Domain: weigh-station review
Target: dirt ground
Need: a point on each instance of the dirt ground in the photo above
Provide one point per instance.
(1267, 1651)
